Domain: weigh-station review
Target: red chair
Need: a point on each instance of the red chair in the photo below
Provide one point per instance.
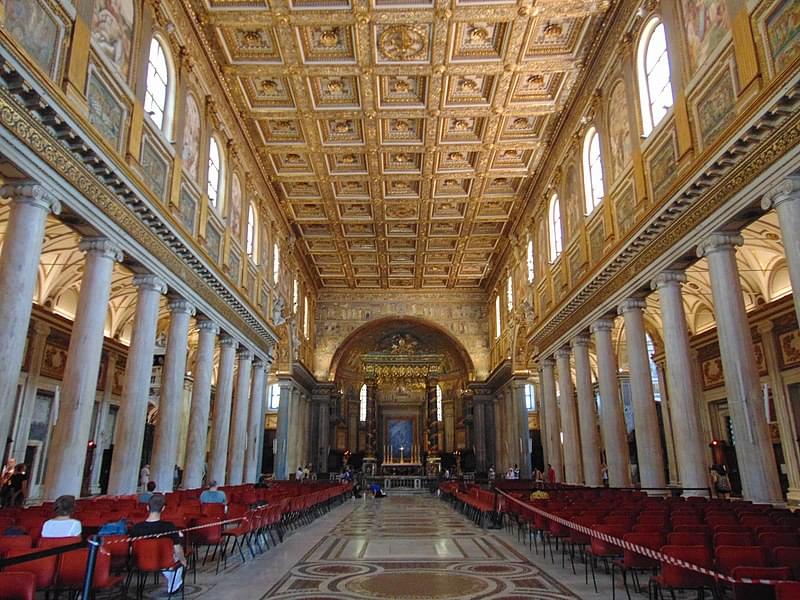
(43, 569)
(17, 585)
(730, 557)
(209, 536)
(45, 543)
(787, 556)
(789, 590)
(151, 556)
(633, 562)
(214, 510)
(119, 548)
(72, 571)
(15, 542)
(600, 549)
(772, 540)
(734, 539)
(240, 535)
(755, 591)
(687, 539)
(673, 577)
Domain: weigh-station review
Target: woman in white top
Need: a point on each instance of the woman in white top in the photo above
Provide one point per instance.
(62, 525)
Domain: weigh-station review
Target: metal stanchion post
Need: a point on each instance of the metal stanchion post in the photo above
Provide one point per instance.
(94, 548)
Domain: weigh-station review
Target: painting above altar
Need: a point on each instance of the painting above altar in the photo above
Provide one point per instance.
(399, 434)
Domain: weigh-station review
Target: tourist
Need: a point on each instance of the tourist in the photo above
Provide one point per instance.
(299, 475)
(213, 495)
(307, 472)
(377, 491)
(491, 473)
(538, 477)
(17, 487)
(604, 474)
(62, 524)
(551, 474)
(510, 473)
(144, 476)
(721, 481)
(516, 471)
(154, 526)
(145, 496)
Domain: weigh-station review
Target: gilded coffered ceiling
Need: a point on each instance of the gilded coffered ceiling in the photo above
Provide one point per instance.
(400, 136)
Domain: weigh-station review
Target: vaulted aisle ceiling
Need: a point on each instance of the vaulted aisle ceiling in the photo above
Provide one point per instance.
(400, 137)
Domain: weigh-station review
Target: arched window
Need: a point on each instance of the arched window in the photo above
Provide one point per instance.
(497, 323)
(510, 294)
(438, 402)
(556, 234)
(274, 396)
(295, 295)
(592, 171)
(651, 350)
(531, 264)
(215, 175)
(305, 317)
(276, 263)
(530, 397)
(252, 228)
(362, 407)
(159, 93)
(655, 89)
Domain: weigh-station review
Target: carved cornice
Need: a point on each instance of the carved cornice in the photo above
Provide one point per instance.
(39, 124)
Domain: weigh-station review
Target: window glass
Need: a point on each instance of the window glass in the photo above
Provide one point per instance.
(438, 402)
(556, 234)
(530, 398)
(214, 173)
(274, 396)
(276, 263)
(655, 89)
(497, 323)
(362, 409)
(251, 232)
(531, 266)
(651, 350)
(157, 87)
(305, 317)
(510, 294)
(592, 171)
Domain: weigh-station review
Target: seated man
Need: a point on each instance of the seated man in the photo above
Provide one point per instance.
(377, 491)
(213, 495)
(145, 496)
(153, 525)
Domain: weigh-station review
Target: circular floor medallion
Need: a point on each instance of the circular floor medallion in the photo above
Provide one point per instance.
(417, 585)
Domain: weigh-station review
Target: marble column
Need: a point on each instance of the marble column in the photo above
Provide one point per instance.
(102, 437)
(167, 434)
(255, 420)
(372, 420)
(690, 447)
(197, 440)
(542, 414)
(501, 456)
(587, 412)
(132, 418)
(237, 443)
(649, 451)
(552, 427)
(67, 453)
(221, 418)
(785, 199)
(479, 429)
(19, 269)
(39, 332)
(293, 453)
(520, 414)
(306, 430)
(569, 419)
(759, 474)
(282, 469)
(612, 416)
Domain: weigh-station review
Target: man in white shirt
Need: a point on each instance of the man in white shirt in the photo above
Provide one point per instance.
(62, 525)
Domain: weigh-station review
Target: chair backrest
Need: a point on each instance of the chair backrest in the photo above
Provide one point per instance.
(72, 568)
(206, 536)
(634, 560)
(153, 554)
(7, 542)
(18, 585)
(742, 538)
(774, 539)
(59, 541)
(729, 557)
(686, 538)
(755, 591)
(787, 556)
(673, 576)
(787, 590)
(44, 569)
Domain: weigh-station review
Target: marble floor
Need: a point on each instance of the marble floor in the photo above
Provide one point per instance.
(410, 546)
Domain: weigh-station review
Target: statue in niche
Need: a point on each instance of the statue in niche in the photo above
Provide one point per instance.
(527, 310)
(277, 312)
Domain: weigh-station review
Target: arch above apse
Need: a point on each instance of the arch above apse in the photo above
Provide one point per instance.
(367, 329)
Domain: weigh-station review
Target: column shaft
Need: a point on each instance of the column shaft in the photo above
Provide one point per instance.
(479, 432)
(19, 268)
(690, 451)
(612, 417)
(221, 419)
(785, 198)
(569, 420)
(255, 421)
(649, 450)
(282, 469)
(237, 444)
(197, 440)
(587, 413)
(132, 418)
(552, 428)
(523, 433)
(68, 444)
(167, 434)
(39, 333)
(757, 468)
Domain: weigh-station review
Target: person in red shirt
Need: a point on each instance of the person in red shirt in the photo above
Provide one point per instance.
(551, 474)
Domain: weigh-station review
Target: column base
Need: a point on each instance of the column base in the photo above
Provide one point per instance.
(370, 466)
(433, 466)
(793, 497)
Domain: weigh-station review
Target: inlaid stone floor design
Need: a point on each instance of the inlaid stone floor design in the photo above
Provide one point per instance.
(413, 547)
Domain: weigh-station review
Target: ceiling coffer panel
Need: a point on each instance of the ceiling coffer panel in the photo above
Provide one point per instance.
(401, 135)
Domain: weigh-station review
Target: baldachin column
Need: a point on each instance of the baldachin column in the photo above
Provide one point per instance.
(552, 429)
(587, 413)
(612, 416)
(785, 199)
(220, 425)
(649, 451)
(569, 419)
(165, 444)
(67, 452)
(757, 469)
(19, 268)
(255, 420)
(124, 475)
(197, 440)
(690, 450)
(237, 444)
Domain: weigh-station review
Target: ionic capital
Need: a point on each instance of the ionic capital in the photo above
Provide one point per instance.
(581, 340)
(179, 305)
(787, 190)
(148, 281)
(666, 278)
(30, 192)
(102, 247)
(244, 354)
(602, 326)
(258, 363)
(719, 241)
(548, 363)
(631, 304)
(227, 341)
(563, 352)
(206, 324)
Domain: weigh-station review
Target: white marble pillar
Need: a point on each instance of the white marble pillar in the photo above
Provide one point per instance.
(520, 416)
(67, 453)
(323, 435)
(542, 414)
(101, 436)
(501, 456)
(479, 433)
(197, 439)
(612, 416)
(19, 268)
(569, 419)
(124, 475)
(306, 433)
(255, 420)
(39, 332)
(293, 456)
(649, 451)
(237, 444)
(167, 434)
(587, 413)
(282, 457)
(759, 474)
(552, 427)
(221, 421)
(690, 447)
(785, 198)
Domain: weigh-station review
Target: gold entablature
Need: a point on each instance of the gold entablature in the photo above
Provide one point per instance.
(392, 367)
